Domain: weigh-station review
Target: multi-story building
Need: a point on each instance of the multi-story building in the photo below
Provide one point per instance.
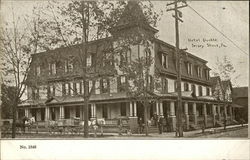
(55, 82)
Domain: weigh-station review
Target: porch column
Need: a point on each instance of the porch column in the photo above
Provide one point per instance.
(172, 116)
(186, 115)
(46, 113)
(93, 110)
(231, 113)
(219, 115)
(61, 112)
(157, 108)
(135, 110)
(205, 113)
(194, 113)
(133, 120)
(26, 112)
(225, 112)
(214, 114)
(161, 108)
(131, 109)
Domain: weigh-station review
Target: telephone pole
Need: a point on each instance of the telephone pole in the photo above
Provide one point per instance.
(178, 15)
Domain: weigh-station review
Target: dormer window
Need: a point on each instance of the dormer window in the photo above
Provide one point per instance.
(206, 74)
(199, 71)
(164, 60)
(189, 68)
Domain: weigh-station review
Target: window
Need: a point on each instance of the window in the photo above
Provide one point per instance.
(67, 112)
(200, 91)
(150, 82)
(35, 93)
(208, 91)
(175, 86)
(121, 83)
(209, 109)
(199, 110)
(89, 60)
(38, 71)
(164, 60)
(78, 111)
(194, 89)
(189, 68)
(66, 88)
(104, 85)
(123, 109)
(199, 71)
(68, 65)
(186, 88)
(206, 74)
(52, 68)
(51, 90)
(164, 85)
(125, 57)
(104, 111)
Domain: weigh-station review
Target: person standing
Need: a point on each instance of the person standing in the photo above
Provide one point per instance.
(160, 124)
(140, 122)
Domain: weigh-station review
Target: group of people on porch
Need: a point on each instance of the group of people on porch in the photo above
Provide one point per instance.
(156, 121)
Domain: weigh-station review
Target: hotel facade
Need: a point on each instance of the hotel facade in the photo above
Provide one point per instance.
(55, 83)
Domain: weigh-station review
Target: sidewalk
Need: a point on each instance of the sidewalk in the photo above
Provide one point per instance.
(165, 135)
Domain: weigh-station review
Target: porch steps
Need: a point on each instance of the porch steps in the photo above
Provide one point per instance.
(220, 124)
(153, 129)
(193, 127)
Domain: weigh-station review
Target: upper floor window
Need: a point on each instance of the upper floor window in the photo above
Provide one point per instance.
(35, 93)
(206, 74)
(175, 86)
(194, 89)
(164, 60)
(208, 91)
(121, 83)
(68, 65)
(66, 88)
(104, 85)
(77, 88)
(164, 85)
(38, 71)
(125, 57)
(199, 71)
(189, 68)
(200, 90)
(186, 88)
(52, 68)
(51, 90)
(150, 82)
(89, 60)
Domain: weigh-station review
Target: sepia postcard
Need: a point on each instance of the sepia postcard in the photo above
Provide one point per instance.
(124, 79)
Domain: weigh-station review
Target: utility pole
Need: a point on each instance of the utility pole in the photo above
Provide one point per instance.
(177, 16)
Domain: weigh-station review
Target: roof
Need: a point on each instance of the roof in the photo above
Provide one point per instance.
(240, 92)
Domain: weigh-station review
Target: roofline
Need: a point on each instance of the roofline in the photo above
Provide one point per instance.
(173, 47)
(75, 45)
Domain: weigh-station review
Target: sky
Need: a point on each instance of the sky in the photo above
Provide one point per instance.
(229, 17)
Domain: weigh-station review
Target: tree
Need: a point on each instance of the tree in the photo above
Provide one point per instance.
(19, 40)
(225, 69)
(7, 101)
